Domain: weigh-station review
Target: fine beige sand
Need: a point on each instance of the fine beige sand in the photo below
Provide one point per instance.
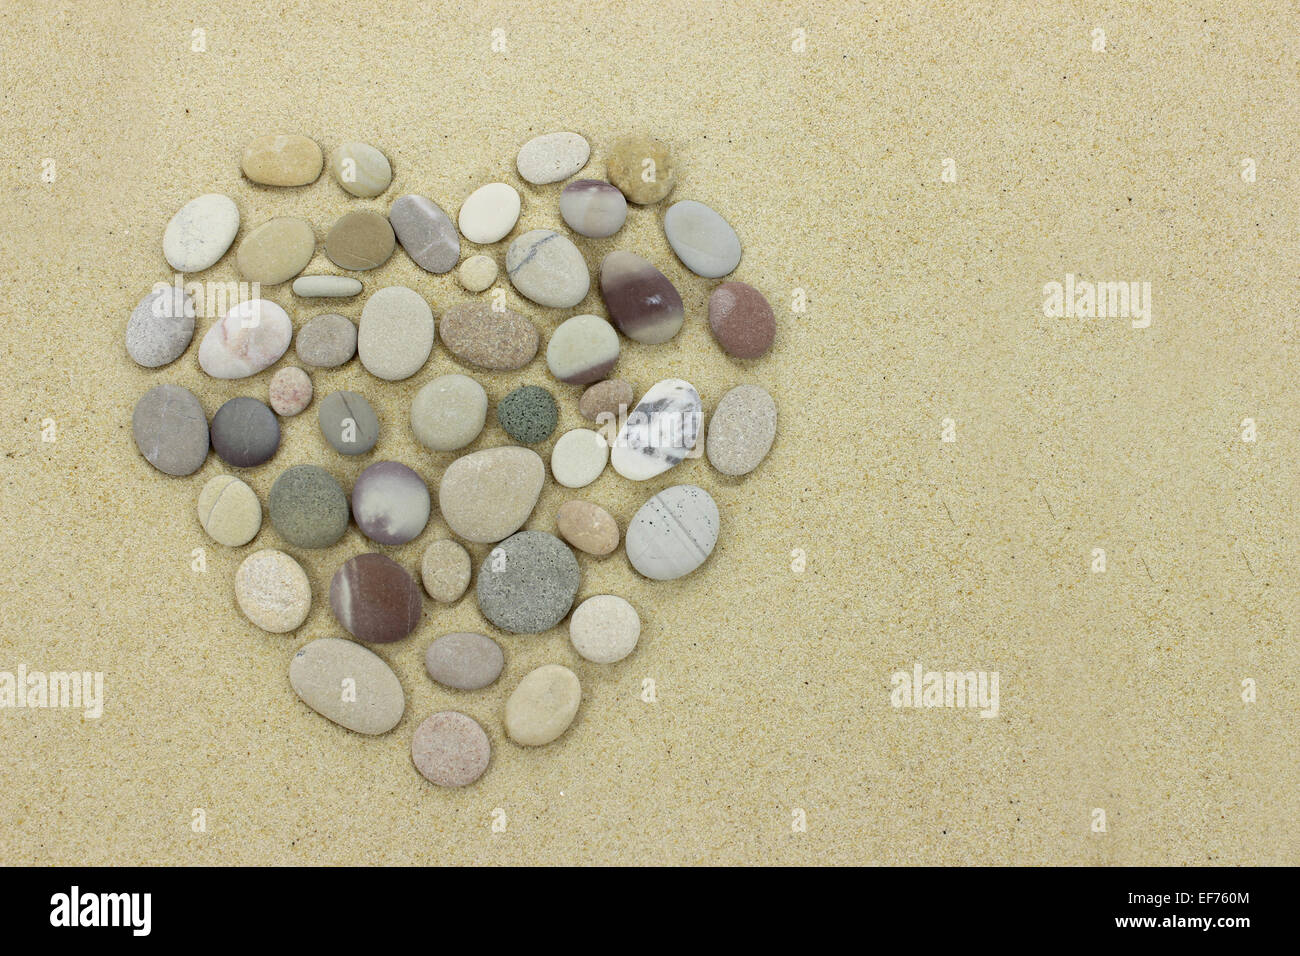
(864, 545)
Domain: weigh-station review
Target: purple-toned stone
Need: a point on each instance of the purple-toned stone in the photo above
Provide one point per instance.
(375, 599)
(641, 301)
(742, 320)
(593, 208)
(390, 503)
(450, 749)
(245, 433)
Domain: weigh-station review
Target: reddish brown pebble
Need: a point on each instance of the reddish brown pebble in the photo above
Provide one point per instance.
(375, 599)
(480, 335)
(605, 398)
(642, 302)
(450, 749)
(588, 527)
(741, 319)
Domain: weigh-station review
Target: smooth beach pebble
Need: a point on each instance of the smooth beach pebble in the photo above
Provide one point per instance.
(161, 327)
(396, 332)
(171, 430)
(361, 169)
(543, 705)
(610, 397)
(326, 287)
(660, 432)
(702, 239)
(348, 423)
(200, 232)
(642, 168)
(673, 533)
(464, 661)
(450, 749)
(360, 240)
(487, 495)
(548, 268)
(229, 511)
(273, 591)
(477, 334)
(282, 160)
(249, 338)
(593, 208)
(390, 503)
(489, 213)
(582, 349)
(327, 341)
(290, 391)
(348, 684)
(527, 583)
(552, 157)
(741, 430)
(245, 433)
(449, 412)
(528, 414)
(445, 570)
(742, 320)
(374, 599)
(588, 527)
(276, 251)
(641, 300)
(604, 628)
(307, 507)
(426, 233)
(477, 273)
(579, 457)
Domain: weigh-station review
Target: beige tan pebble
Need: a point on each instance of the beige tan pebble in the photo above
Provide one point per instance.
(276, 251)
(273, 591)
(488, 495)
(610, 397)
(283, 160)
(445, 570)
(588, 527)
(229, 511)
(290, 391)
(642, 168)
(450, 749)
(543, 705)
(605, 628)
(477, 272)
(579, 457)
(360, 240)
(741, 430)
(480, 335)
(361, 169)
(348, 684)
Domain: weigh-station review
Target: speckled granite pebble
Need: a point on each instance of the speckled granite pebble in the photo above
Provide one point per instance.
(249, 338)
(610, 397)
(200, 232)
(741, 320)
(477, 273)
(160, 328)
(282, 160)
(327, 341)
(579, 457)
(272, 590)
(489, 213)
(396, 333)
(361, 169)
(527, 583)
(245, 433)
(593, 208)
(604, 629)
(642, 302)
(290, 391)
(360, 240)
(307, 507)
(528, 414)
(390, 503)
(276, 251)
(477, 334)
(426, 233)
(673, 533)
(326, 287)
(548, 268)
(348, 684)
(543, 705)
(702, 239)
(450, 749)
(642, 168)
(660, 432)
(348, 423)
(229, 511)
(582, 349)
(588, 527)
(449, 412)
(171, 430)
(552, 157)
(445, 570)
(464, 661)
(741, 430)
(375, 599)
(486, 495)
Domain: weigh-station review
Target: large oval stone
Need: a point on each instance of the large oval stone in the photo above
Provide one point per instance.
(548, 268)
(741, 430)
(479, 335)
(276, 251)
(660, 432)
(702, 239)
(348, 684)
(488, 495)
(282, 160)
(171, 430)
(673, 533)
(200, 232)
(250, 337)
(527, 583)
(426, 233)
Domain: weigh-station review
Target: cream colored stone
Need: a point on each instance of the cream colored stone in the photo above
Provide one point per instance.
(543, 705)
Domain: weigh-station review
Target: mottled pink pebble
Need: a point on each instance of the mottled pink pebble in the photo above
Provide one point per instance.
(450, 749)
(741, 319)
(290, 391)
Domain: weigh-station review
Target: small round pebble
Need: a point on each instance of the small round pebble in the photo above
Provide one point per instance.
(588, 527)
(548, 268)
(642, 168)
(249, 338)
(326, 287)
(552, 157)
(375, 599)
(742, 320)
(361, 169)
(741, 430)
(200, 232)
(487, 495)
(464, 661)
(610, 397)
(450, 749)
(282, 160)
(498, 339)
(702, 239)
(528, 414)
(276, 251)
(489, 213)
(527, 583)
(396, 333)
(273, 591)
(360, 240)
(229, 511)
(390, 503)
(245, 433)
(290, 391)
(327, 341)
(348, 423)
(579, 457)
(593, 208)
(348, 684)
(543, 705)
(477, 272)
(171, 430)
(445, 570)
(604, 628)
(307, 507)
(449, 412)
(160, 328)
(426, 233)
(673, 533)
(582, 349)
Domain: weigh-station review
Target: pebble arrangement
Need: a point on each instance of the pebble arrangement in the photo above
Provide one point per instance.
(529, 581)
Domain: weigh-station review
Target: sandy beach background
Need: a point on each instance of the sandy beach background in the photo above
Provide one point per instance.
(864, 545)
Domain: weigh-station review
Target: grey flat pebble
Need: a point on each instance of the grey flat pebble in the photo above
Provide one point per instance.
(307, 507)
(326, 287)
(245, 432)
(160, 328)
(426, 233)
(548, 268)
(702, 239)
(450, 749)
(593, 208)
(527, 583)
(741, 430)
(361, 169)
(200, 232)
(673, 533)
(464, 661)
(327, 341)
(396, 332)
(528, 414)
(348, 423)
(171, 430)
(348, 684)
(390, 503)
(552, 157)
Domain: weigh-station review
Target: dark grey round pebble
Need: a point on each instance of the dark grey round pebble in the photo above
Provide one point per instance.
(160, 328)
(528, 414)
(340, 408)
(308, 507)
(327, 341)
(464, 661)
(245, 432)
(528, 582)
(390, 503)
(171, 430)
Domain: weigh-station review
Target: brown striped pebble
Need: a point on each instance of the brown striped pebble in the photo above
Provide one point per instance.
(641, 300)
(742, 320)
(450, 749)
(375, 599)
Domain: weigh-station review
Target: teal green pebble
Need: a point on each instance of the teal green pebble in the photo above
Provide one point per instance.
(528, 414)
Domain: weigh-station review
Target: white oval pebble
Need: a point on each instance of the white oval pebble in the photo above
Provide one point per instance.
(273, 591)
(348, 684)
(660, 432)
(396, 332)
(551, 157)
(250, 337)
(201, 232)
(489, 213)
(604, 628)
(702, 239)
(477, 272)
(673, 533)
(582, 350)
(361, 169)
(326, 287)
(548, 268)
(579, 457)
